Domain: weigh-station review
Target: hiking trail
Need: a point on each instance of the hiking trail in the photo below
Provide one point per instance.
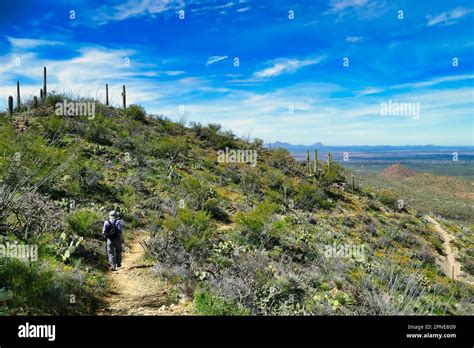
(135, 290)
(451, 266)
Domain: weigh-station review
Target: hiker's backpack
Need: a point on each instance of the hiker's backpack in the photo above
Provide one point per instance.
(111, 231)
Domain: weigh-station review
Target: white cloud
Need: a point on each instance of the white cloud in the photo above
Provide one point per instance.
(448, 18)
(243, 9)
(285, 66)
(215, 59)
(30, 43)
(136, 8)
(354, 39)
(337, 6)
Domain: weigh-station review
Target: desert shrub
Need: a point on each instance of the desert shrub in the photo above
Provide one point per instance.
(214, 136)
(34, 215)
(136, 112)
(274, 179)
(127, 196)
(281, 159)
(193, 230)
(387, 289)
(85, 222)
(252, 224)
(41, 288)
(282, 296)
(334, 175)
(197, 192)
(207, 303)
(231, 174)
(89, 177)
(53, 98)
(214, 207)
(310, 197)
(388, 197)
(100, 130)
(169, 147)
(251, 183)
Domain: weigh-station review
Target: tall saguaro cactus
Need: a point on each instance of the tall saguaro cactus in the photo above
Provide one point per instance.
(10, 105)
(18, 100)
(353, 183)
(124, 98)
(107, 94)
(315, 162)
(44, 83)
(41, 93)
(308, 166)
(329, 161)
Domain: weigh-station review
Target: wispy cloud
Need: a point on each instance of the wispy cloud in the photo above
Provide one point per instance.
(338, 6)
(215, 59)
(243, 9)
(448, 18)
(136, 8)
(285, 66)
(30, 43)
(354, 39)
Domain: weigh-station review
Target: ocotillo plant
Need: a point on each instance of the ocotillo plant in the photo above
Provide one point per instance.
(44, 82)
(124, 97)
(10, 105)
(18, 101)
(308, 166)
(107, 94)
(353, 183)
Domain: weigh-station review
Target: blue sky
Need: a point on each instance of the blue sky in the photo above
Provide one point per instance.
(290, 83)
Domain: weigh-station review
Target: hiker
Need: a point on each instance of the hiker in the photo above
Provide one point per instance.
(112, 230)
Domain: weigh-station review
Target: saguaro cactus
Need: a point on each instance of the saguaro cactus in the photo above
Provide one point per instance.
(308, 166)
(41, 93)
(10, 105)
(353, 182)
(329, 161)
(107, 94)
(18, 101)
(124, 98)
(35, 101)
(44, 83)
(315, 162)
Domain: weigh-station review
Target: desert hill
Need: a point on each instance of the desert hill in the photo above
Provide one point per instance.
(397, 172)
(256, 234)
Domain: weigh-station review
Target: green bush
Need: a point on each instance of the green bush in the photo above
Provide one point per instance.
(217, 212)
(252, 223)
(85, 223)
(194, 230)
(310, 197)
(208, 304)
(387, 197)
(136, 112)
(40, 288)
(169, 147)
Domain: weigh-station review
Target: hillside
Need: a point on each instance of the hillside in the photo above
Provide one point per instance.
(396, 172)
(265, 237)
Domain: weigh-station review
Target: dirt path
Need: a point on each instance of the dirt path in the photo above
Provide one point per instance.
(135, 290)
(450, 264)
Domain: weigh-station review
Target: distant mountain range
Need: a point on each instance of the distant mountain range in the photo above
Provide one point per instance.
(374, 151)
